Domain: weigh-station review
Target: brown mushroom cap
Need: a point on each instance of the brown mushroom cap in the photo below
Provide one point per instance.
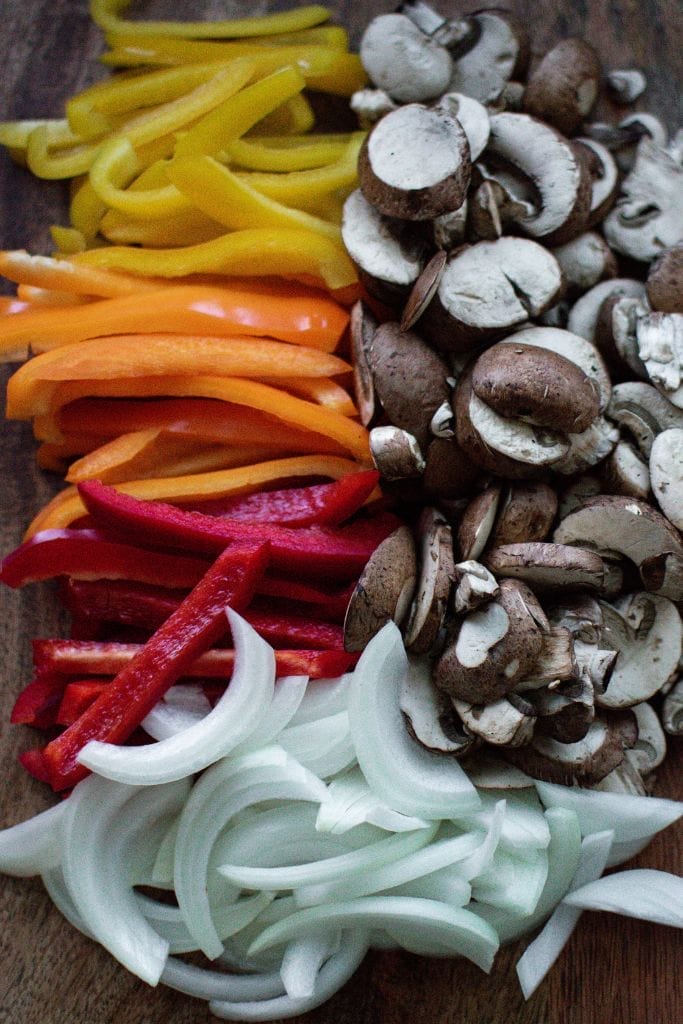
(526, 514)
(448, 472)
(546, 567)
(564, 87)
(477, 522)
(665, 281)
(430, 716)
(541, 386)
(565, 712)
(436, 573)
(384, 590)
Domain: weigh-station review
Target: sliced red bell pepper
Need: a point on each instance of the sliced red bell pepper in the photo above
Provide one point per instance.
(314, 552)
(197, 623)
(318, 505)
(38, 703)
(34, 763)
(315, 601)
(77, 697)
(97, 658)
(91, 554)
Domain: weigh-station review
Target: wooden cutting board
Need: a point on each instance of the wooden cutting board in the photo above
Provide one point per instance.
(613, 969)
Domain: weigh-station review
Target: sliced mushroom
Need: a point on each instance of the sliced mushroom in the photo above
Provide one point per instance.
(604, 176)
(672, 710)
(488, 289)
(643, 411)
(581, 614)
(575, 494)
(583, 316)
(434, 583)
(659, 344)
(423, 290)
(625, 778)
(488, 770)
(555, 663)
(449, 474)
(369, 105)
(430, 716)
(401, 59)
(384, 590)
(410, 379)
(565, 711)
(526, 514)
(586, 761)
(362, 327)
(574, 348)
(648, 216)
(559, 175)
(484, 219)
(666, 472)
(594, 663)
(396, 453)
(648, 649)
(474, 585)
(493, 647)
(477, 522)
(665, 281)
(650, 747)
(626, 472)
(450, 32)
(415, 163)
(498, 53)
(472, 116)
(588, 448)
(388, 253)
(626, 84)
(501, 723)
(564, 87)
(612, 524)
(448, 229)
(515, 440)
(547, 567)
(585, 260)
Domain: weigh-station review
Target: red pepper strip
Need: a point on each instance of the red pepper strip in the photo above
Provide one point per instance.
(318, 505)
(197, 623)
(38, 703)
(80, 658)
(314, 601)
(34, 763)
(90, 554)
(313, 552)
(133, 604)
(77, 698)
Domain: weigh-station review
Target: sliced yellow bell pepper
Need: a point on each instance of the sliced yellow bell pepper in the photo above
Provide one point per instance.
(293, 117)
(106, 14)
(189, 227)
(256, 155)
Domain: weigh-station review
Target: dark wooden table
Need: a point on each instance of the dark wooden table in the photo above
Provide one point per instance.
(613, 970)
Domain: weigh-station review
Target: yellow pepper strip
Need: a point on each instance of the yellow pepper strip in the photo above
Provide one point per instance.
(221, 195)
(114, 168)
(67, 241)
(253, 155)
(257, 252)
(63, 275)
(158, 355)
(293, 117)
(67, 506)
(46, 162)
(240, 112)
(86, 209)
(15, 134)
(317, 389)
(106, 14)
(189, 227)
(343, 75)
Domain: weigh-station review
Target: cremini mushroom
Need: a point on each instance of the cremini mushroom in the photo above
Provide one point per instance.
(563, 88)
(642, 411)
(436, 573)
(472, 116)
(659, 350)
(584, 261)
(665, 281)
(526, 513)
(395, 453)
(666, 473)
(448, 474)
(409, 65)
(626, 84)
(604, 177)
(565, 711)
(555, 662)
(506, 722)
(498, 53)
(546, 567)
(583, 316)
(369, 105)
(423, 290)
(650, 747)
(672, 710)
(430, 716)
(476, 522)
(626, 472)
(474, 585)
(384, 590)
(362, 327)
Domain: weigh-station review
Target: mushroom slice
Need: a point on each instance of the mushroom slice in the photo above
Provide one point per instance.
(537, 385)
(559, 175)
(430, 716)
(450, 32)
(594, 664)
(489, 288)
(362, 327)
(665, 281)
(498, 54)
(585, 761)
(395, 453)
(388, 254)
(666, 472)
(474, 585)
(488, 770)
(384, 590)
(472, 115)
(546, 567)
(415, 163)
(659, 341)
(626, 84)
(648, 650)
(369, 105)
(612, 524)
(588, 448)
(581, 614)
(604, 175)
(434, 584)
(515, 439)
(643, 411)
(501, 723)
(565, 711)
(423, 290)
(650, 747)
(575, 494)
(555, 663)
(448, 229)
(410, 379)
(448, 472)
(672, 710)
(563, 88)
(493, 647)
(648, 216)
(401, 59)
(477, 522)
(574, 348)
(583, 316)
(526, 514)
(627, 473)
(585, 260)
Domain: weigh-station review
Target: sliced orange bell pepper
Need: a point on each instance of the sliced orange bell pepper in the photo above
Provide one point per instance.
(62, 275)
(67, 506)
(319, 389)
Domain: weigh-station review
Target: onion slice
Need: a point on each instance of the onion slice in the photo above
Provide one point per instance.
(33, 846)
(629, 817)
(235, 717)
(644, 893)
(350, 802)
(301, 961)
(183, 706)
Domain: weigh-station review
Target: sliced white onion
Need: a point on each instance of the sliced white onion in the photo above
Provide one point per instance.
(209, 984)
(403, 774)
(220, 793)
(324, 697)
(384, 851)
(289, 692)
(302, 960)
(162, 870)
(33, 846)
(235, 717)
(513, 883)
(55, 885)
(182, 707)
(103, 823)
(335, 973)
(630, 817)
(324, 745)
(451, 928)
(445, 885)
(350, 802)
(644, 893)
(482, 856)
(621, 852)
(524, 824)
(168, 922)
(541, 954)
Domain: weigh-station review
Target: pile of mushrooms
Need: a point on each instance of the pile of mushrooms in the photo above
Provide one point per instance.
(519, 363)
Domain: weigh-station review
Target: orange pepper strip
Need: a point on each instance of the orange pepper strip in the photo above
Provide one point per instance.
(62, 275)
(160, 355)
(10, 305)
(67, 506)
(42, 298)
(291, 410)
(90, 421)
(305, 318)
(319, 389)
(158, 453)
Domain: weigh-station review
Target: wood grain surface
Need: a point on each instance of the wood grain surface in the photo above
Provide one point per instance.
(613, 970)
